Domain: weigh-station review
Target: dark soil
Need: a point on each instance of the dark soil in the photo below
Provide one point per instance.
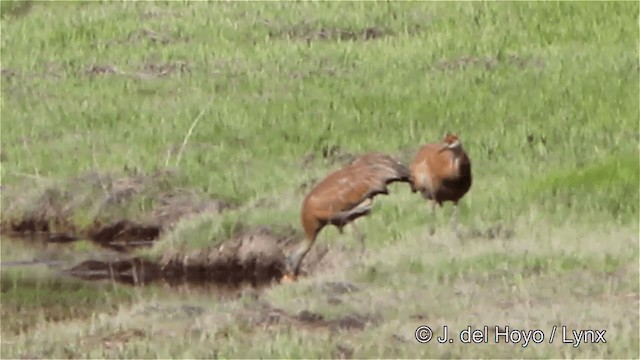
(148, 35)
(264, 315)
(94, 70)
(165, 69)
(253, 257)
(488, 63)
(307, 32)
(144, 71)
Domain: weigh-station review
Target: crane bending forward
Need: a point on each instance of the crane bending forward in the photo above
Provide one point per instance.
(342, 197)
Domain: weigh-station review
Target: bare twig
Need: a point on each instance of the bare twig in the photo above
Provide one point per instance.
(188, 135)
(166, 160)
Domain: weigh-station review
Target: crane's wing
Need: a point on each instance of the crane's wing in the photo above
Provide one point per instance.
(349, 187)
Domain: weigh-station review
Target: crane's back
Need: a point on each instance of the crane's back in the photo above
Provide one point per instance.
(342, 189)
(346, 188)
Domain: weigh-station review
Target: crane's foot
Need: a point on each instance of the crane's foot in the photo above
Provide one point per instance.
(288, 278)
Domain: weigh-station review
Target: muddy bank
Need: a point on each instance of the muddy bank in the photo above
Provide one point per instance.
(254, 257)
(120, 212)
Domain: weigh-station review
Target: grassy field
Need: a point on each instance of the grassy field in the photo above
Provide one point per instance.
(107, 107)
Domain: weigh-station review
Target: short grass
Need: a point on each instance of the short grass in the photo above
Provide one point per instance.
(543, 95)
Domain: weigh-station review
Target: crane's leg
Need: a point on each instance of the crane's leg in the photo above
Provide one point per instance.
(294, 260)
(358, 235)
(341, 232)
(454, 221)
(433, 214)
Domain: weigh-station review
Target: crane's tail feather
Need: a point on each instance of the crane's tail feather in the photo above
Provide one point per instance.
(386, 167)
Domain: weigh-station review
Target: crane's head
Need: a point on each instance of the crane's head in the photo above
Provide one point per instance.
(451, 142)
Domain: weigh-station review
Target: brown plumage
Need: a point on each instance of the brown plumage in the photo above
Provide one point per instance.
(344, 196)
(442, 172)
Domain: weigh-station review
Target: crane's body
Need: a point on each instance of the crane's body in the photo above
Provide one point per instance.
(442, 172)
(344, 196)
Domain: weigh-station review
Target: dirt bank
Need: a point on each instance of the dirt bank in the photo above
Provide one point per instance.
(253, 257)
(116, 211)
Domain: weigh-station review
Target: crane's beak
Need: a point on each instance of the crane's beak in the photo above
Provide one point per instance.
(444, 147)
(450, 146)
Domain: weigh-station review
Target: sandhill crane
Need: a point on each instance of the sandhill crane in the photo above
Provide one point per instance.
(342, 197)
(442, 172)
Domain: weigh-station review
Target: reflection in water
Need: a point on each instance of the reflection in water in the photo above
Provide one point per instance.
(92, 265)
(140, 273)
(28, 299)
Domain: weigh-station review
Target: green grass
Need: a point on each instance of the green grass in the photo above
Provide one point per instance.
(544, 97)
